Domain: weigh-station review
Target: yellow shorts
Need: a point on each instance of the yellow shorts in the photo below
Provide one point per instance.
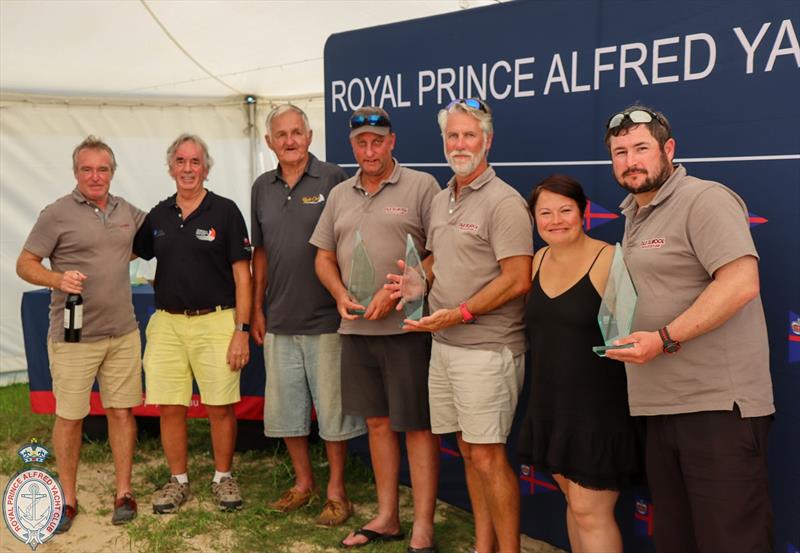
(115, 361)
(179, 348)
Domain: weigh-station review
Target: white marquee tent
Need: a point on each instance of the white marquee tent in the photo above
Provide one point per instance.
(138, 73)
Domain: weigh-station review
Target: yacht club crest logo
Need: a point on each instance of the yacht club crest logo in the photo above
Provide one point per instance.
(33, 499)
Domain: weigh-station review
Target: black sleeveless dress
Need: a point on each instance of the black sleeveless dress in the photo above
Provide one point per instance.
(577, 423)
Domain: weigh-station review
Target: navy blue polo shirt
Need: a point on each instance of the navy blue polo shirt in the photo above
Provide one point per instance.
(194, 256)
(282, 221)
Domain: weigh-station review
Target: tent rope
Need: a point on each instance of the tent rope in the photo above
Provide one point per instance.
(185, 52)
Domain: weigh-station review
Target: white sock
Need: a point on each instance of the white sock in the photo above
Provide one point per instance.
(218, 476)
(181, 478)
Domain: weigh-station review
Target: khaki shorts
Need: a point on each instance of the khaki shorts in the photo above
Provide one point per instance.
(474, 392)
(116, 362)
(179, 348)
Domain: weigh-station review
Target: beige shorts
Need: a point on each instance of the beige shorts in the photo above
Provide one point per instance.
(474, 392)
(180, 348)
(116, 362)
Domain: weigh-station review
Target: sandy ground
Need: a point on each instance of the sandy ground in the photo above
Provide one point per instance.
(92, 531)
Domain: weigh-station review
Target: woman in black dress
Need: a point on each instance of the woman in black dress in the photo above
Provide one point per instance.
(577, 426)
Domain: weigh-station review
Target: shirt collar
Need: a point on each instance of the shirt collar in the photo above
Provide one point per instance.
(204, 203)
(666, 190)
(312, 169)
(81, 199)
(481, 180)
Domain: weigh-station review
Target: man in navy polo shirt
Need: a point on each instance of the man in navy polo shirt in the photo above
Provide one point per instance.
(301, 348)
(200, 328)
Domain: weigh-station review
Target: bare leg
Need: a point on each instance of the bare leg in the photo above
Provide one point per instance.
(301, 463)
(423, 461)
(384, 450)
(122, 439)
(500, 491)
(593, 511)
(222, 420)
(67, 436)
(173, 436)
(485, 539)
(337, 456)
(572, 528)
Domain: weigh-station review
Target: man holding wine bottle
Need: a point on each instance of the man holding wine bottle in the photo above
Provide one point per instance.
(87, 236)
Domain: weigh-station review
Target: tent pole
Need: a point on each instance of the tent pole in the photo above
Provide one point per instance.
(251, 126)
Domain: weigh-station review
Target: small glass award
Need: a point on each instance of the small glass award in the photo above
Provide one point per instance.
(615, 315)
(361, 284)
(414, 284)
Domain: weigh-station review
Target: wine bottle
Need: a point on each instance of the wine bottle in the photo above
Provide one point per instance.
(73, 318)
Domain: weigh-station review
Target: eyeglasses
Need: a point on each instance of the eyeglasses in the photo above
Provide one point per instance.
(636, 116)
(473, 103)
(375, 120)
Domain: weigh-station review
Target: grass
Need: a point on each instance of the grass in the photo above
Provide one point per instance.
(199, 525)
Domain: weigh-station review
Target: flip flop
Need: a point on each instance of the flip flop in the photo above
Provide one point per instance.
(373, 537)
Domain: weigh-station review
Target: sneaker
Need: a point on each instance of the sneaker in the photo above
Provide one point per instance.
(227, 494)
(335, 512)
(292, 499)
(124, 509)
(171, 496)
(67, 516)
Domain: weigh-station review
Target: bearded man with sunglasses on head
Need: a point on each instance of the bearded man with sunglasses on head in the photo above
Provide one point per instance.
(698, 368)
(384, 368)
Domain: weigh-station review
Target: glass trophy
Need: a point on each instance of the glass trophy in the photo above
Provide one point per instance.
(414, 284)
(361, 284)
(615, 315)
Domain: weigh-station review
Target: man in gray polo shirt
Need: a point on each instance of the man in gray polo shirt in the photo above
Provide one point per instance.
(301, 349)
(481, 243)
(384, 369)
(87, 235)
(699, 365)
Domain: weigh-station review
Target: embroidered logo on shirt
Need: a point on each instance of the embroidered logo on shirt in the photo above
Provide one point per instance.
(652, 243)
(205, 235)
(395, 210)
(158, 233)
(468, 227)
(311, 200)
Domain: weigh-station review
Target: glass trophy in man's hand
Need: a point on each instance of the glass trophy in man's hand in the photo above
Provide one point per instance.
(361, 284)
(414, 284)
(615, 315)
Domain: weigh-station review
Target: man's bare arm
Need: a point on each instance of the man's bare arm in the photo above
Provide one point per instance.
(30, 269)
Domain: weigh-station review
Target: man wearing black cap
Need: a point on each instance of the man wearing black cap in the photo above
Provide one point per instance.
(384, 369)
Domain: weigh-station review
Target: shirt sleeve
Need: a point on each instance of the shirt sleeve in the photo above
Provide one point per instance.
(511, 229)
(43, 237)
(323, 236)
(257, 237)
(238, 242)
(718, 228)
(143, 241)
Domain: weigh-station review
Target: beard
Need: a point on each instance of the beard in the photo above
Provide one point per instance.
(465, 168)
(650, 183)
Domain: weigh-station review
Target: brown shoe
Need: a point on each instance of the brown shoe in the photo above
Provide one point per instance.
(291, 500)
(335, 513)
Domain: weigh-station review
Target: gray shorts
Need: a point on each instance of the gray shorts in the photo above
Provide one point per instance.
(387, 376)
(302, 369)
(474, 391)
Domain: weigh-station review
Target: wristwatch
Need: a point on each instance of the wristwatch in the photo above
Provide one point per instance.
(466, 317)
(244, 327)
(670, 346)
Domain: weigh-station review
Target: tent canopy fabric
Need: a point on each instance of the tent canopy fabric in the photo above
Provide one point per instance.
(185, 49)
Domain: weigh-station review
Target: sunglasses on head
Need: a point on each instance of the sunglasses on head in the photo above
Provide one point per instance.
(375, 120)
(473, 103)
(636, 116)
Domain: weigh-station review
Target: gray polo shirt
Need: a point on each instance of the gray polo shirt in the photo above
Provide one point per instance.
(77, 235)
(400, 206)
(282, 221)
(672, 247)
(489, 221)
